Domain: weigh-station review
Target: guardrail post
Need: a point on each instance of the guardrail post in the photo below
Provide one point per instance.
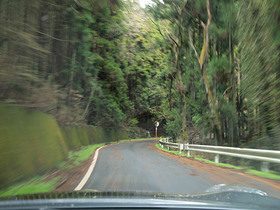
(181, 148)
(265, 166)
(217, 157)
(189, 152)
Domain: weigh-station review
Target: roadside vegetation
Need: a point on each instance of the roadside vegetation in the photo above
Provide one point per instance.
(76, 157)
(34, 185)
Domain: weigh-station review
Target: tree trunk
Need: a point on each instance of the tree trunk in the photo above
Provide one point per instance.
(70, 83)
(215, 118)
(232, 124)
(182, 91)
(89, 101)
(184, 120)
(202, 60)
(177, 43)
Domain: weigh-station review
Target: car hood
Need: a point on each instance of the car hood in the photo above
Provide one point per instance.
(222, 196)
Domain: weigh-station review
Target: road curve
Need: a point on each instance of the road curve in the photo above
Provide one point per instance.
(134, 166)
(137, 166)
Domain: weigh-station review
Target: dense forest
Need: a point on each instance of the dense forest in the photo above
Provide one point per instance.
(208, 71)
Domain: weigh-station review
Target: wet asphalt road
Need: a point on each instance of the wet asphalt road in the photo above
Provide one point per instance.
(135, 166)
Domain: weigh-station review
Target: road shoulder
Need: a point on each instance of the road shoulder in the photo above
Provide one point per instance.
(226, 175)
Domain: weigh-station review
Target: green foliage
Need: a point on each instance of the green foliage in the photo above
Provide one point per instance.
(72, 137)
(35, 185)
(269, 175)
(75, 158)
(242, 68)
(260, 64)
(170, 151)
(173, 124)
(267, 142)
(133, 121)
(31, 143)
(218, 164)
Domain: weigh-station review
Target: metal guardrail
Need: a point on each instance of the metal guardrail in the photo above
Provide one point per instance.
(265, 156)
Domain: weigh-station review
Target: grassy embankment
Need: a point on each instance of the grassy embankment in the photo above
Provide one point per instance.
(38, 184)
(269, 175)
(33, 143)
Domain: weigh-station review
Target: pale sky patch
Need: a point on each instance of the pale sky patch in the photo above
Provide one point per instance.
(143, 3)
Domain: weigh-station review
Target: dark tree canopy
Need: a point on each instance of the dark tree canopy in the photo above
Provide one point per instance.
(207, 70)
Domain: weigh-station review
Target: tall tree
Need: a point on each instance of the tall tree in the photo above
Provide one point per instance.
(202, 61)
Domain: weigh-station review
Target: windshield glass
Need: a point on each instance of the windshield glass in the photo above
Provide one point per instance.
(177, 97)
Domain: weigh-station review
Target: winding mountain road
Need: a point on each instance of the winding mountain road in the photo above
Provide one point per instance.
(138, 166)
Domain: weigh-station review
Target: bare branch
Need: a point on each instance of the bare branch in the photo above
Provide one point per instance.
(171, 38)
(202, 24)
(178, 9)
(207, 32)
(157, 26)
(180, 25)
(209, 13)
(196, 54)
(185, 2)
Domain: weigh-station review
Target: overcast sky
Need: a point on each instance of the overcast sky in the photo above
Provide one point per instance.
(143, 3)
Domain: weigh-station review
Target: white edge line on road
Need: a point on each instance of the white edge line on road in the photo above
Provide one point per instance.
(90, 169)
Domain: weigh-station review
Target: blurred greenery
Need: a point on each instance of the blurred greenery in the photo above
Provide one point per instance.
(31, 142)
(76, 73)
(35, 185)
(114, 64)
(269, 175)
(75, 158)
(170, 151)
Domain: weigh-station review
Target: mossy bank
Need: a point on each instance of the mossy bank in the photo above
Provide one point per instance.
(32, 142)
